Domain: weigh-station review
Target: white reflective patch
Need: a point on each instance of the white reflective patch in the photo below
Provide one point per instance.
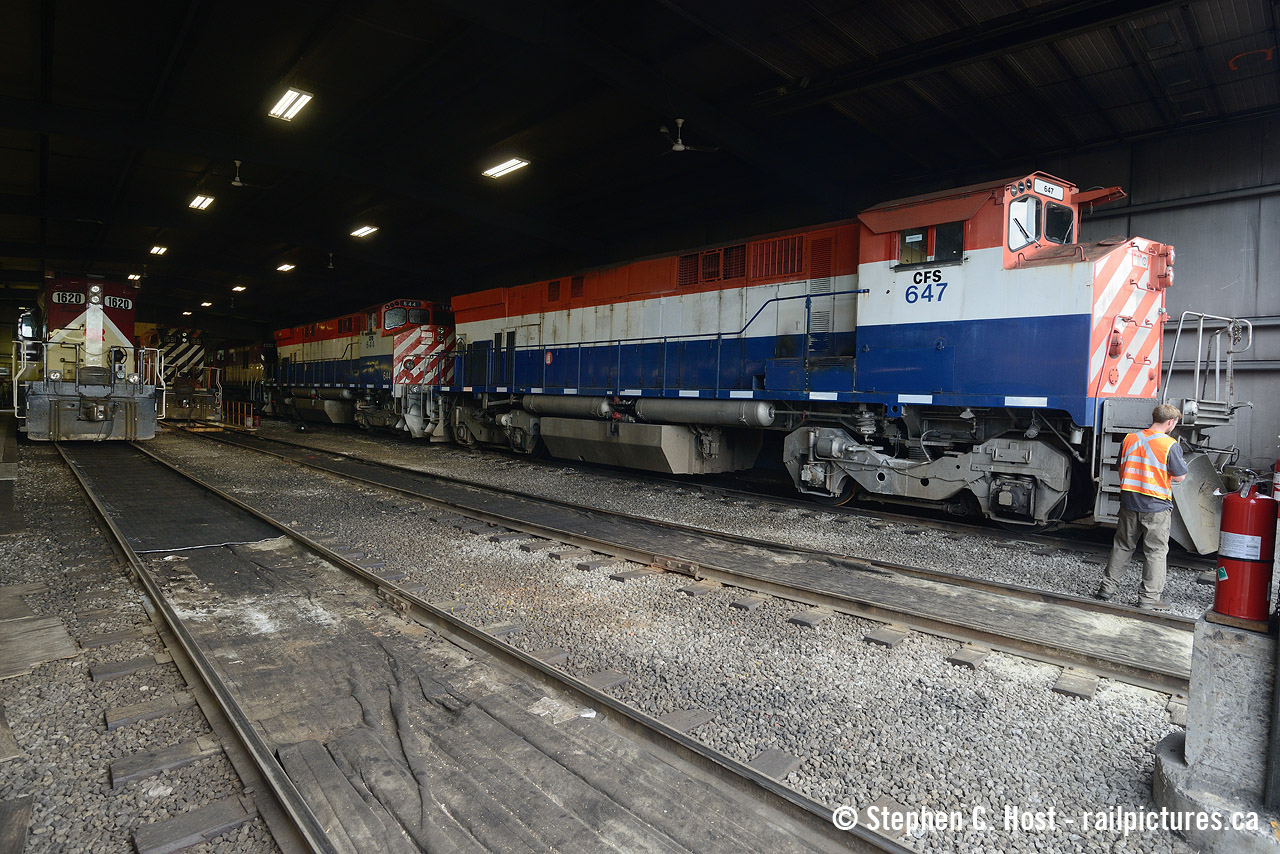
(1044, 188)
(630, 392)
(688, 393)
(1026, 401)
(535, 391)
(915, 398)
(502, 388)
(570, 391)
(466, 388)
(822, 395)
(741, 394)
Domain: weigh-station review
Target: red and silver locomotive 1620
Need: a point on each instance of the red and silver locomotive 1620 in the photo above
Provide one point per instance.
(77, 372)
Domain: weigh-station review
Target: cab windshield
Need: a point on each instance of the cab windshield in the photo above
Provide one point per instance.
(393, 318)
(1024, 222)
(1059, 223)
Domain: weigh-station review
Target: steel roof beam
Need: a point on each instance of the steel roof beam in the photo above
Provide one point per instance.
(1015, 31)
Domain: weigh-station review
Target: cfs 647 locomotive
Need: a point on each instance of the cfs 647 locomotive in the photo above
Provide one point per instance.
(77, 371)
(961, 349)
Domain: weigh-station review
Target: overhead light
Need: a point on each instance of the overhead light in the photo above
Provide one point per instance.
(364, 231)
(159, 250)
(289, 106)
(135, 277)
(186, 314)
(200, 202)
(238, 288)
(283, 268)
(505, 168)
(205, 304)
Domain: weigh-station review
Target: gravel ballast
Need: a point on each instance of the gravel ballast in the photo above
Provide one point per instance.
(865, 721)
(1065, 571)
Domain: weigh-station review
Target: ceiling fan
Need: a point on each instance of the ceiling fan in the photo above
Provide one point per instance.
(678, 144)
(236, 182)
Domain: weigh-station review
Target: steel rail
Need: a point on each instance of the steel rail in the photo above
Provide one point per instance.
(1164, 680)
(815, 817)
(295, 806)
(1017, 591)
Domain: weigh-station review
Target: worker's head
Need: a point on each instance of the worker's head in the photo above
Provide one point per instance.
(1165, 417)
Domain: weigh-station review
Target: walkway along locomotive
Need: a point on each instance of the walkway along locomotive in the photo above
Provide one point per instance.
(78, 373)
(960, 349)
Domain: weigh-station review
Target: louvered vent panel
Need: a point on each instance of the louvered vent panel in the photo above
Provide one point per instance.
(820, 266)
(711, 266)
(575, 287)
(735, 261)
(553, 291)
(819, 321)
(687, 270)
(782, 256)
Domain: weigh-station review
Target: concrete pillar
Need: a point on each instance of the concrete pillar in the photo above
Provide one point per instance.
(1218, 767)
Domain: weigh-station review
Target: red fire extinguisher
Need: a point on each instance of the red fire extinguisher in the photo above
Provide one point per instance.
(1246, 549)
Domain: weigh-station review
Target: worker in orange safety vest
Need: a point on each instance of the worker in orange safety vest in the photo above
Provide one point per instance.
(1150, 464)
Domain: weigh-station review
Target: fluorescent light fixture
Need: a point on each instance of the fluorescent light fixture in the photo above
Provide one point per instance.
(200, 202)
(289, 106)
(135, 277)
(364, 231)
(186, 314)
(238, 288)
(205, 304)
(159, 250)
(506, 168)
(284, 268)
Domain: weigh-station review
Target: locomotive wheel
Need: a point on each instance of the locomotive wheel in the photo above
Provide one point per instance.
(846, 495)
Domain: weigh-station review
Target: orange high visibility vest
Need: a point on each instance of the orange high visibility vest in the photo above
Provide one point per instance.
(1144, 468)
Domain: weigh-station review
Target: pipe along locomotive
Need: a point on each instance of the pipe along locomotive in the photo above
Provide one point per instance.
(78, 373)
(960, 349)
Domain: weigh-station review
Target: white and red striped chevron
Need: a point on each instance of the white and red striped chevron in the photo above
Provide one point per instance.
(422, 356)
(1128, 325)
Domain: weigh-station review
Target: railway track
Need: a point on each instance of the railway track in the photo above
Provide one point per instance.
(1094, 540)
(199, 551)
(1138, 647)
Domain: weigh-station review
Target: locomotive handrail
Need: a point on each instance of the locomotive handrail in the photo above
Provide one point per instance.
(1239, 330)
(617, 343)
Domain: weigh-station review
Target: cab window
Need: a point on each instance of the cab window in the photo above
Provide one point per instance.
(948, 241)
(1059, 223)
(934, 244)
(1024, 222)
(913, 246)
(394, 318)
(417, 315)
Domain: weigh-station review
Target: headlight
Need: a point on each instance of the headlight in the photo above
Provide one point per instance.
(54, 376)
(95, 289)
(133, 378)
(95, 299)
